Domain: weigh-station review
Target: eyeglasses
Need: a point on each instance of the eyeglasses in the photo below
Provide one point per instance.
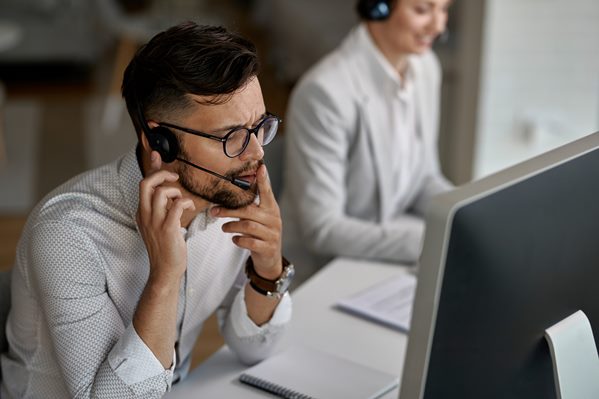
(237, 139)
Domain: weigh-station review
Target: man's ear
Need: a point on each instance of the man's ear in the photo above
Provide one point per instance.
(146, 151)
(143, 138)
(145, 144)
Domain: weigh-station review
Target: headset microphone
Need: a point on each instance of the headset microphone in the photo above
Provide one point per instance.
(238, 182)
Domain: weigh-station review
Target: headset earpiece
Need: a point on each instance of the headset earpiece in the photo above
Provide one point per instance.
(374, 10)
(160, 138)
(164, 142)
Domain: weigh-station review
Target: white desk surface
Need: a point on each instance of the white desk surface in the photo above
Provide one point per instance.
(317, 324)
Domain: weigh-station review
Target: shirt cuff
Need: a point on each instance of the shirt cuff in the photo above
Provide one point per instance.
(245, 327)
(134, 362)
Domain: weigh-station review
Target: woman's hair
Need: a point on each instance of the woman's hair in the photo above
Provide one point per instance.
(186, 59)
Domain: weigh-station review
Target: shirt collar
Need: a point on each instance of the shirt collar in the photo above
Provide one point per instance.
(129, 176)
(377, 59)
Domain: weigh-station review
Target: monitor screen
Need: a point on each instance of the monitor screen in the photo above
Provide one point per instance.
(504, 259)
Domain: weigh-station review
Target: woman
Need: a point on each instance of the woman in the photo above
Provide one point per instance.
(361, 139)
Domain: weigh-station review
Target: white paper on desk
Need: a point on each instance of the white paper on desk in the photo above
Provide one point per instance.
(388, 302)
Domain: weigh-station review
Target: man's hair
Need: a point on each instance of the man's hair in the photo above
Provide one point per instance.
(186, 59)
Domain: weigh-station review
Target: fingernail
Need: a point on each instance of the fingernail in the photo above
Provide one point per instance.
(214, 211)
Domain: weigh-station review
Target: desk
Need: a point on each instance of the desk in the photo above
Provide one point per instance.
(314, 323)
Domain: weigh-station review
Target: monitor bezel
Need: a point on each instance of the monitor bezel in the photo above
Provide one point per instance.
(439, 219)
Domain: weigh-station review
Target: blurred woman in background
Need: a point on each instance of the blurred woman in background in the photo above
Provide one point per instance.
(361, 142)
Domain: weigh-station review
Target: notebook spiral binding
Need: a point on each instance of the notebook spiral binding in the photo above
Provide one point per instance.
(272, 388)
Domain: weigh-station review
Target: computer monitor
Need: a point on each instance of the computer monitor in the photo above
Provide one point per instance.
(505, 258)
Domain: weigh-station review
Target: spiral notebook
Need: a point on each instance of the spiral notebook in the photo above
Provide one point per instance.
(305, 373)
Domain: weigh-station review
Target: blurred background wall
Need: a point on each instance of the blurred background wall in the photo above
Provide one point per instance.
(539, 79)
(520, 77)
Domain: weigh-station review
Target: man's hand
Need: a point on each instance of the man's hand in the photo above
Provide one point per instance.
(159, 220)
(259, 228)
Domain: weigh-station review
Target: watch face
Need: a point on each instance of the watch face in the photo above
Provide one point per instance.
(285, 281)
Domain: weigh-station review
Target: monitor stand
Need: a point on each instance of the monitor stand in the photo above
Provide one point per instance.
(575, 361)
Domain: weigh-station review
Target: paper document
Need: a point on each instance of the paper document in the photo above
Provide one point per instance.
(388, 302)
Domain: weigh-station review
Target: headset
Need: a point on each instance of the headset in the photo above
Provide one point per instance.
(374, 10)
(164, 141)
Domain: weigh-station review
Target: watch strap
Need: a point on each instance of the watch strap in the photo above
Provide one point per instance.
(264, 292)
(262, 285)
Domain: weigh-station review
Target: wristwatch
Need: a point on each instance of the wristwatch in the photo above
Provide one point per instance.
(271, 288)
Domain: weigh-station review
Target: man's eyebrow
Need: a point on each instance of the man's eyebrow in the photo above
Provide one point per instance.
(227, 129)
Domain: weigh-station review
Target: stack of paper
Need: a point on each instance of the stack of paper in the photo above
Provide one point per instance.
(389, 302)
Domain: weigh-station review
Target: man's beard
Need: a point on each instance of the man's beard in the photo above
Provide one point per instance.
(219, 191)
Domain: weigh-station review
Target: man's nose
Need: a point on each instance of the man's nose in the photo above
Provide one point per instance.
(254, 151)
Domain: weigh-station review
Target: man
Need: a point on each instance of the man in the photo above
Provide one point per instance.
(118, 268)
(362, 140)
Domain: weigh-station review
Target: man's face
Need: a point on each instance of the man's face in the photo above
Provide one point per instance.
(414, 24)
(244, 108)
